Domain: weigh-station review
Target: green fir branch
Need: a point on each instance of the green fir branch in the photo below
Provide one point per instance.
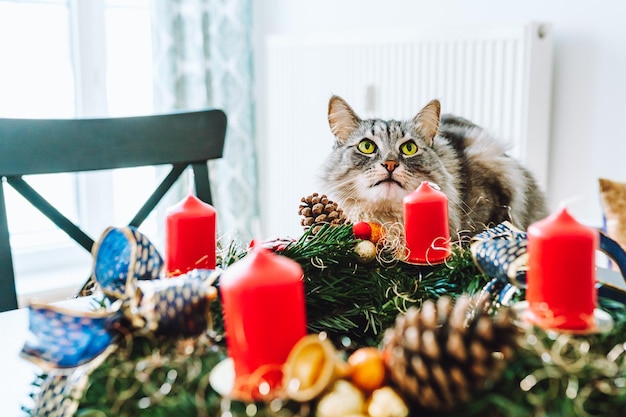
(360, 300)
(345, 297)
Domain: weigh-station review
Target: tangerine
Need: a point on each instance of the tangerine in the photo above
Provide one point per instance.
(367, 368)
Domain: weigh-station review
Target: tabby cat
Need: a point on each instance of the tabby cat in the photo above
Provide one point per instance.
(375, 163)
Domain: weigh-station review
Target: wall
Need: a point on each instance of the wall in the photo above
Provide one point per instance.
(589, 89)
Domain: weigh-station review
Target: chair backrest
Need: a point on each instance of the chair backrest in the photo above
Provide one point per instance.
(45, 146)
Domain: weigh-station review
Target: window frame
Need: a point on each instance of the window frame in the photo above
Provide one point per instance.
(59, 269)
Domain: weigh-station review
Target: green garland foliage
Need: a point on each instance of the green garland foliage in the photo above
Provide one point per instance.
(551, 374)
(154, 376)
(348, 298)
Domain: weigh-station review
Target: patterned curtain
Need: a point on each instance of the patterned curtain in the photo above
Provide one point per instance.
(203, 58)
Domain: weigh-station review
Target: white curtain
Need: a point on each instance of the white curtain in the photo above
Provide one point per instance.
(203, 58)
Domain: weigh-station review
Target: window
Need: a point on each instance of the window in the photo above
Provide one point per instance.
(65, 58)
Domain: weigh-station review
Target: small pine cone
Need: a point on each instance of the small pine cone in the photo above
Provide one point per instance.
(439, 355)
(317, 210)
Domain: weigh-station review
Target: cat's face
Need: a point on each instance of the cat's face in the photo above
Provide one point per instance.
(380, 161)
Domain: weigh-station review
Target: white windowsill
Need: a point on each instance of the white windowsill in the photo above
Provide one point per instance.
(54, 274)
(50, 286)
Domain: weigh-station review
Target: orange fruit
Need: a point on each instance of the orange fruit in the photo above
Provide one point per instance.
(378, 232)
(367, 368)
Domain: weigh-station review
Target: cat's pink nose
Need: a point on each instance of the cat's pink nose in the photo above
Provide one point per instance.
(391, 165)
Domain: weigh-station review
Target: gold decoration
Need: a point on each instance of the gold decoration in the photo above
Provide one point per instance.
(312, 365)
(344, 400)
(365, 251)
(385, 402)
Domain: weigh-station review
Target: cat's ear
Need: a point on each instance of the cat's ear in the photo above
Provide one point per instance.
(427, 121)
(341, 118)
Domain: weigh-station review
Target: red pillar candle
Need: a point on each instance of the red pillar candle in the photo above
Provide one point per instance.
(426, 225)
(190, 236)
(264, 316)
(561, 291)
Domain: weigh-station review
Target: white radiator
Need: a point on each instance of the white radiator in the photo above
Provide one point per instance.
(498, 77)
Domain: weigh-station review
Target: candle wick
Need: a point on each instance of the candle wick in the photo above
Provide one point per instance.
(191, 180)
(566, 203)
(433, 185)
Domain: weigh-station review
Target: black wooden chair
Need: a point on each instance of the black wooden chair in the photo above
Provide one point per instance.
(37, 146)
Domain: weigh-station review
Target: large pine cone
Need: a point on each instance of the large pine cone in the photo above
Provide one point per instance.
(439, 355)
(317, 210)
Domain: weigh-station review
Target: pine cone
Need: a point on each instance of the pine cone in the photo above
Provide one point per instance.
(317, 210)
(440, 355)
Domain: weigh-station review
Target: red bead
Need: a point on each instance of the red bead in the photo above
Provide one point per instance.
(362, 230)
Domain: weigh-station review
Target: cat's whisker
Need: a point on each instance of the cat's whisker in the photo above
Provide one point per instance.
(463, 235)
(510, 215)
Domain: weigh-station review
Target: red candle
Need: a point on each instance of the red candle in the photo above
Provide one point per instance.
(561, 291)
(264, 316)
(190, 236)
(426, 227)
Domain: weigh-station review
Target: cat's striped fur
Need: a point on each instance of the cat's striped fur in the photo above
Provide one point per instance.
(375, 163)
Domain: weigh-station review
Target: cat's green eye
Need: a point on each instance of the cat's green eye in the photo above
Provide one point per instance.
(366, 146)
(408, 148)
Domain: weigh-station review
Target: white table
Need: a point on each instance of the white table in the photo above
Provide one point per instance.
(17, 374)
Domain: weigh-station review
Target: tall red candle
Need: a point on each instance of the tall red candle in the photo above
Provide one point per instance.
(190, 236)
(561, 291)
(426, 225)
(264, 314)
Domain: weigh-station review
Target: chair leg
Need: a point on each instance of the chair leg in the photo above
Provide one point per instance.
(8, 295)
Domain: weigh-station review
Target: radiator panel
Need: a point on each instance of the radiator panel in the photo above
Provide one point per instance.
(498, 77)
